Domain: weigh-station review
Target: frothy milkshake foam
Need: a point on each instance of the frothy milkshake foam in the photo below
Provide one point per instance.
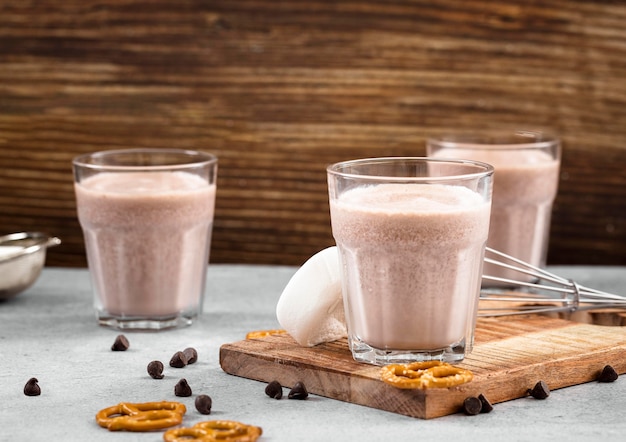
(145, 235)
(415, 253)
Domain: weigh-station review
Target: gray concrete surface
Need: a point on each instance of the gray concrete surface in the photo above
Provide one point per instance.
(49, 332)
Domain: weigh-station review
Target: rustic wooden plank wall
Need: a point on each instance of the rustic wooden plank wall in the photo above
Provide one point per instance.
(280, 89)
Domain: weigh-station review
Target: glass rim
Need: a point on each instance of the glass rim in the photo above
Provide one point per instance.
(497, 140)
(196, 159)
(335, 169)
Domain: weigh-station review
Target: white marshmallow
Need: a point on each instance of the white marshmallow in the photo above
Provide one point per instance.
(310, 307)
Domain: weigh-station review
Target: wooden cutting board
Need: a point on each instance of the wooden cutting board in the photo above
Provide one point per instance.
(510, 356)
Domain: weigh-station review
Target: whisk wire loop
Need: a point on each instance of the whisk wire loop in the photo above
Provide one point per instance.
(543, 296)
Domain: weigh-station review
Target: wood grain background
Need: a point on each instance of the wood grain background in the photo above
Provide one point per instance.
(280, 89)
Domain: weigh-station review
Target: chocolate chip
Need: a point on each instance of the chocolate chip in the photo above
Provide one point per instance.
(608, 374)
(155, 369)
(203, 404)
(191, 354)
(274, 390)
(32, 387)
(182, 388)
(298, 391)
(540, 390)
(121, 343)
(472, 406)
(486, 405)
(179, 360)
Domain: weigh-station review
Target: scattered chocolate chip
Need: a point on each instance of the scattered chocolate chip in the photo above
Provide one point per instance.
(540, 390)
(203, 404)
(608, 374)
(472, 406)
(191, 354)
(182, 388)
(121, 343)
(155, 369)
(274, 390)
(298, 391)
(179, 360)
(486, 405)
(32, 387)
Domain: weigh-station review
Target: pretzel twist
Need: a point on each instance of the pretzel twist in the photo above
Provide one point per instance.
(214, 431)
(428, 374)
(258, 334)
(146, 416)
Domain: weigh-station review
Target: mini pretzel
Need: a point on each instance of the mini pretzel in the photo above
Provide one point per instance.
(263, 333)
(407, 375)
(141, 417)
(429, 374)
(446, 376)
(214, 431)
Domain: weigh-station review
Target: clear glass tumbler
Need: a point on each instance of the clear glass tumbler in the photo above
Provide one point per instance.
(525, 184)
(411, 236)
(147, 219)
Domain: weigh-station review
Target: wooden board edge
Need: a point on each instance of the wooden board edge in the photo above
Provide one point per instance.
(362, 388)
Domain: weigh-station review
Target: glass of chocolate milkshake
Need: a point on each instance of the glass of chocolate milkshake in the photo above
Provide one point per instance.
(147, 218)
(525, 184)
(411, 235)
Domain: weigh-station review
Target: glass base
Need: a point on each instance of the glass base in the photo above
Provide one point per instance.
(363, 352)
(130, 323)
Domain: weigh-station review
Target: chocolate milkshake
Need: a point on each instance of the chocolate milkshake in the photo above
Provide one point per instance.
(412, 256)
(525, 185)
(147, 237)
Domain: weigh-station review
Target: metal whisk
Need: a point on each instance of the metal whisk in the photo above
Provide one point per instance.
(546, 292)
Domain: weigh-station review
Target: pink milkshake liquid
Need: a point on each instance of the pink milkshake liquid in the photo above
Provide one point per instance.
(147, 233)
(411, 251)
(525, 185)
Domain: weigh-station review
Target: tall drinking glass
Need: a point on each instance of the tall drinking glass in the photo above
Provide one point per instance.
(525, 184)
(411, 236)
(147, 218)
